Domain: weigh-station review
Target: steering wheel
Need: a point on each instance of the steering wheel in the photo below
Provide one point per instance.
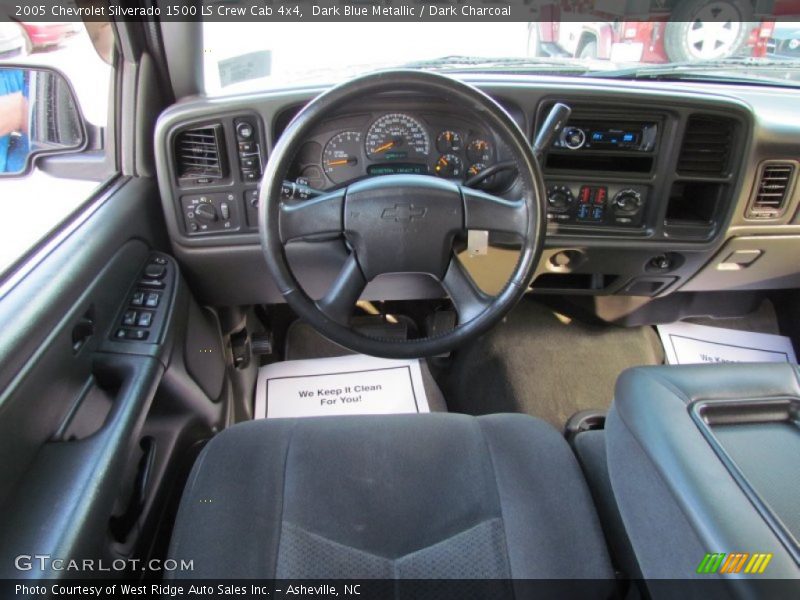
(401, 223)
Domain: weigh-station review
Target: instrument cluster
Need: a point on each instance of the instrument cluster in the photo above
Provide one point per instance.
(437, 144)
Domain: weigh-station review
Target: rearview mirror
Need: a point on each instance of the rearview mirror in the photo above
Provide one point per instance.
(39, 116)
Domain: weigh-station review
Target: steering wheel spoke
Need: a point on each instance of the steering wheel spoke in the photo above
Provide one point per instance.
(338, 302)
(468, 299)
(312, 220)
(488, 212)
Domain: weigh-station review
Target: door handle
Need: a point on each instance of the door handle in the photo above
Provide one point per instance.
(83, 330)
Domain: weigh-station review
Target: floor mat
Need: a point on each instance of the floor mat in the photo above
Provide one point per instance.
(546, 365)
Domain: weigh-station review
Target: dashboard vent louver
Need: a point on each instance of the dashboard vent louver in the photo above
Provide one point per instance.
(772, 191)
(706, 147)
(198, 154)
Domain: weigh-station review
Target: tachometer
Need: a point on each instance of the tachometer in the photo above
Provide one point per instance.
(396, 136)
(340, 157)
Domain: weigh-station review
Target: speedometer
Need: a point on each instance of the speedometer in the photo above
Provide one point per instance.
(396, 136)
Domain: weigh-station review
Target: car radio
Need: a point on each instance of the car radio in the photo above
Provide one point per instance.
(607, 135)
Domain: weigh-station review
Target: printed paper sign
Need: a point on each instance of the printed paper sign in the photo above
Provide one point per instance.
(686, 343)
(349, 385)
(245, 67)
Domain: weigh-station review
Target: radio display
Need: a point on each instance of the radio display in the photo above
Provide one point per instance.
(398, 169)
(608, 135)
(613, 137)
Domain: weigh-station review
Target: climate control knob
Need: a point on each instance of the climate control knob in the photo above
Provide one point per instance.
(206, 212)
(559, 198)
(627, 202)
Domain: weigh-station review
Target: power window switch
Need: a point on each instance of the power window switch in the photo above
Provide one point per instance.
(145, 319)
(151, 301)
(137, 299)
(129, 318)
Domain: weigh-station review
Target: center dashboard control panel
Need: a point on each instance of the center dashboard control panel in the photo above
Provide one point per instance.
(598, 204)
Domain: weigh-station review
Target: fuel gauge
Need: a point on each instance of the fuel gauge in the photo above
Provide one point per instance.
(448, 165)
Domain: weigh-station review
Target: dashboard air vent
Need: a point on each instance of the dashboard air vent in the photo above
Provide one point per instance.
(706, 147)
(198, 154)
(772, 191)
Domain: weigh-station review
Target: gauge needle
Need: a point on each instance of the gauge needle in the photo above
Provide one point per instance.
(339, 163)
(442, 163)
(383, 148)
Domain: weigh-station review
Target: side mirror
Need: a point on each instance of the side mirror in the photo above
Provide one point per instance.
(39, 116)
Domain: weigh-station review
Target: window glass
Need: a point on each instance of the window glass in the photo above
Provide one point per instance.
(250, 56)
(36, 112)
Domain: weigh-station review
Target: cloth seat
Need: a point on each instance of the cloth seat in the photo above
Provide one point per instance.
(399, 496)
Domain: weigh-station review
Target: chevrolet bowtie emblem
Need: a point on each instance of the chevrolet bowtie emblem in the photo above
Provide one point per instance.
(404, 212)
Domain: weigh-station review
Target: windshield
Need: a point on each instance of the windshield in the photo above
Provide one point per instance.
(267, 55)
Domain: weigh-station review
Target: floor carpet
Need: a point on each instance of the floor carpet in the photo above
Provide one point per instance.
(546, 365)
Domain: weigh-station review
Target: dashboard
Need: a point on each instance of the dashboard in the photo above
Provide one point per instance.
(652, 187)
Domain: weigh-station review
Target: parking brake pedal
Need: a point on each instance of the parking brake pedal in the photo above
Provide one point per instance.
(261, 343)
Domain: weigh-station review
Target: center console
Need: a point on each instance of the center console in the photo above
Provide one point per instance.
(703, 461)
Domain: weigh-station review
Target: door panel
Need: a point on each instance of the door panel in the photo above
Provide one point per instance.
(86, 450)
